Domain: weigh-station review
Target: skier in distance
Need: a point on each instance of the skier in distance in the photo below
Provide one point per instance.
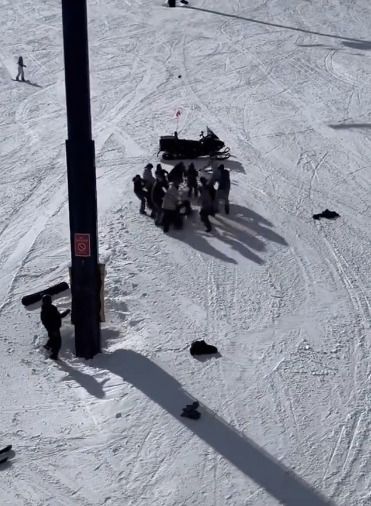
(21, 65)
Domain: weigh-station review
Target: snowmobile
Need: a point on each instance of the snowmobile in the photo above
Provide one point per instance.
(174, 148)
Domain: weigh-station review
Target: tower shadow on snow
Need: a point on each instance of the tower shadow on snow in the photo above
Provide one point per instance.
(286, 27)
(252, 460)
(87, 381)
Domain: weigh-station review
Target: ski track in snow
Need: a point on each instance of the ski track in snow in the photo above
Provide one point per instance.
(285, 299)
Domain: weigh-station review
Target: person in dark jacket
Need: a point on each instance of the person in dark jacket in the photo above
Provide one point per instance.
(51, 318)
(224, 186)
(148, 180)
(191, 176)
(162, 174)
(140, 192)
(21, 65)
(176, 174)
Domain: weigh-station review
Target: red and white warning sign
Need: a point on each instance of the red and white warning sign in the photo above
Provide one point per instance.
(82, 245)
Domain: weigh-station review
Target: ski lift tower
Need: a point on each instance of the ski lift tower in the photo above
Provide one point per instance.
(80, 154)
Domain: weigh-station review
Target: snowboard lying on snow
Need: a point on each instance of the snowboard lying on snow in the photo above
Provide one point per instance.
(27, 300)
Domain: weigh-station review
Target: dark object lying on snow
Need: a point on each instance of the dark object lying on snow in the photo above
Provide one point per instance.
(330, 215)
(202, 348)
(27, 300)
(190, 411)
(4, 454)
(208, 145)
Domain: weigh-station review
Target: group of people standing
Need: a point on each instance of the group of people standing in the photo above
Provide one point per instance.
(168, 195)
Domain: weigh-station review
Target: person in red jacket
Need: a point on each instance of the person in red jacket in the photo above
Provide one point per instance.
(51, 318)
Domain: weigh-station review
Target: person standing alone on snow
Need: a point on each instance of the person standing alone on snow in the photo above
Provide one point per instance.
(20, 69)
(51, 318)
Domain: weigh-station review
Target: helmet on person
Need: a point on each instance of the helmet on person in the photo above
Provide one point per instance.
(46, 299)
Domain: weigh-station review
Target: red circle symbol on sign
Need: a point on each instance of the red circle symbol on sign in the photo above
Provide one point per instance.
(82, 245)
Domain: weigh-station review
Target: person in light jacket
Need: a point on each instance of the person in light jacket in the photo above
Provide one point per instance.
(157, 195)
(170, 206)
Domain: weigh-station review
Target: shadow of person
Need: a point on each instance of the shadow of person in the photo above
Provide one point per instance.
(234, 232)
(344, 126)
(363, 45)
(87, 381)
(240, 241)
(192, 234)
(27, 81)
(243, 230)
(256, 222)
(34, 84)
(159, 386)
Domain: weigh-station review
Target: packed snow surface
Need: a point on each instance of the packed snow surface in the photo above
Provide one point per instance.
(286, 406)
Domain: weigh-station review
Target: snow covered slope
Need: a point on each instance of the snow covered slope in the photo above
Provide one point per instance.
(286, 299)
